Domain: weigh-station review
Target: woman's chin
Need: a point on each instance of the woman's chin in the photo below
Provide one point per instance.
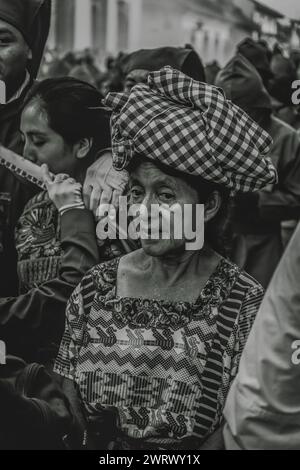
(157, 247)
(154, 247)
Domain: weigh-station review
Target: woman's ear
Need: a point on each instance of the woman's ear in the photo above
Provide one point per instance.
(212, 206)
(83, 147)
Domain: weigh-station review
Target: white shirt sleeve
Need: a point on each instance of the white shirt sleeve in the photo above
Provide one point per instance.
(262, 410)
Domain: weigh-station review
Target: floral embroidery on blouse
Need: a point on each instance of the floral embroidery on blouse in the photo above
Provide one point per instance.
(146, 313)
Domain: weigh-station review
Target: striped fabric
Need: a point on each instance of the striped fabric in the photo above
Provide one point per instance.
(166, 368)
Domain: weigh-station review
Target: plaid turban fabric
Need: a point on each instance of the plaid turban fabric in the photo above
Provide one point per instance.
(190, 126)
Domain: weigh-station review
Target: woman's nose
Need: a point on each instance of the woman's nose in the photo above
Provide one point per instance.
(29, 153)
(147, 208)
(148, 201)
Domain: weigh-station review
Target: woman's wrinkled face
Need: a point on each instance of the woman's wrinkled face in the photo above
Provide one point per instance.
(150, 188)
(42, 144)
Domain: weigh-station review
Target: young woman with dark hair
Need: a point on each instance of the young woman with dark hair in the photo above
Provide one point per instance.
(64, 127)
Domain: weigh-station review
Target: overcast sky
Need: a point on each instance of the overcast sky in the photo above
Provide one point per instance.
(290, 8)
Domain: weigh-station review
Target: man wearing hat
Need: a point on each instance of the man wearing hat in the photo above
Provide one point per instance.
(24, 28)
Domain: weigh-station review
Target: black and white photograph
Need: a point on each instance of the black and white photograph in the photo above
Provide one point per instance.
(149, 228)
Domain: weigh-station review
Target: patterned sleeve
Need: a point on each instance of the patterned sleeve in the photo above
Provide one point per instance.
(75, 330)
(240, 332)
(248, 311)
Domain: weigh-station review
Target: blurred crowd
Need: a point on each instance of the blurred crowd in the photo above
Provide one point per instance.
(278, 67)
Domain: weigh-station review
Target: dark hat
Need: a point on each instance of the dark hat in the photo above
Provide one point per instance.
(181, 58)
(243, 85)
(257, 54)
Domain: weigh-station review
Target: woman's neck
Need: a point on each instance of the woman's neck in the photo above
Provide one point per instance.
(79, 175)
(175, 258)
(182, 256)
(176, 277)
(172, 268)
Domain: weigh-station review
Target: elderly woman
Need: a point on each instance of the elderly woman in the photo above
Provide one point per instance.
(153, 339)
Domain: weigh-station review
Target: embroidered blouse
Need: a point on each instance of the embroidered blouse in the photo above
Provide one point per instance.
(164, 368)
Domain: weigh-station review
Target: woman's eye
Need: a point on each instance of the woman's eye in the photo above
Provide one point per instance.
(136, 193)
(4, 41)
(39, 143)
(166, 196)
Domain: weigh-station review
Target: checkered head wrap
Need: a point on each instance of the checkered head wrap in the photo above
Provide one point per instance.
(190, 126)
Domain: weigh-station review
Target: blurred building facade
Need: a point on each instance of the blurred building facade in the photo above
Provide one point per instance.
(212, 27)
(267, 20)
(274, 27)
(295, 34)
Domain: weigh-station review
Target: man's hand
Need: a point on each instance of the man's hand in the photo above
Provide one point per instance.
(103, 184)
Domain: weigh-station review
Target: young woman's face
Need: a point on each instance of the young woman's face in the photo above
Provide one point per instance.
(149, 187)
(42, 144)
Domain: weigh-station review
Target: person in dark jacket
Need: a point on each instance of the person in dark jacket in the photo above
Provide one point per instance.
(281, 90)
(63, 126)
(24, 27)
(35, 412)
(257, 224)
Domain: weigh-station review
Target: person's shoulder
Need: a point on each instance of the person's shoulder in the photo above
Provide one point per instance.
(101, 279)
(252, 283)
(249, 288)
(242, 280)
(136, 256)
(244, 297)
(102, 276)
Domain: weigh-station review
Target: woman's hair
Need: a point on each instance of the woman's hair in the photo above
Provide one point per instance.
(74, 110)
(218, 231)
